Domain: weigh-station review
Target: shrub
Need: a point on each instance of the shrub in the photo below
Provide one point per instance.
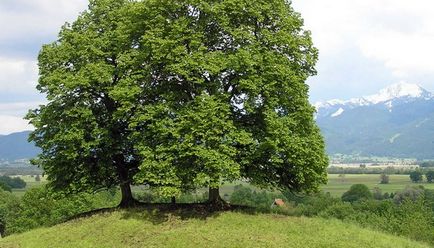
(416, 176)
(357, 192)
(409, 194)
(261, 200)
(39, 207)
(430, 176)
(5, 187)
(384, 179)
(14, 183)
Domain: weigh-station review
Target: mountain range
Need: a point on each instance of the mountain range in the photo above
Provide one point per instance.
(15, 146)
(396, 122)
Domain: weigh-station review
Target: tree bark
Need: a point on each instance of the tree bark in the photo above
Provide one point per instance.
(127, 200)
(127, 196)
(215, 201)
(214, 195)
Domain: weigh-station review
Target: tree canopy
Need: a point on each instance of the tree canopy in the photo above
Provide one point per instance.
(179, 95)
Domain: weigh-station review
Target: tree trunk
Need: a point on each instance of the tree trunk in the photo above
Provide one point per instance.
(214, 195)
(173, 200)
(215, 201)
(127, 196)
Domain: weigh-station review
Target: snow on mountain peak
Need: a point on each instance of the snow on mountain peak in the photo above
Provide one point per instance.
(392, 92)
(395, 91)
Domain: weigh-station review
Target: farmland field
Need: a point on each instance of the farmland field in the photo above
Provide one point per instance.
(31, 182)
(337, 185)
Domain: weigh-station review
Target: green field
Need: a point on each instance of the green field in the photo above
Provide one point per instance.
(30, 183)
(338, 185)
(139, 228)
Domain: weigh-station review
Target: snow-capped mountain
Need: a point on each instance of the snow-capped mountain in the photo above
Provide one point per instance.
(394, 94)
(398, 121)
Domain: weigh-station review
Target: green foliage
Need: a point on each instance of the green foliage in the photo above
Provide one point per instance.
(260, 200)
(430, 176)
(357, 192)
(9, 208)
(384, 179)
(13, 182)
(409, 194)
(39, 207)
(87, 76)
(5, 187)
(416, 176)
(178, 96)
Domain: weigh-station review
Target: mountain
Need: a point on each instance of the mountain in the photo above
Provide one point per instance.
(397, 122)
(15, 146)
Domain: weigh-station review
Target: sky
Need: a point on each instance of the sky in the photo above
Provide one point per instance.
(364, 46)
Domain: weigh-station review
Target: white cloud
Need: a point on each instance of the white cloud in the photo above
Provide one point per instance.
(12, 124)
(17, 75)
(38, 18)
(18, 109)
(397, 33)
(12, 114)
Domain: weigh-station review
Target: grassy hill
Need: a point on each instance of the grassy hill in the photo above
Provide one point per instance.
(151, 228)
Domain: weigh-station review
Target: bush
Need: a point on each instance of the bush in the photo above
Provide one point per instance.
(430, 176)
(39, 207)
(5, 187)
(262, 200)
(416, 176)
(409, 194)
(9, 210)
(357, 192)
(14, 183)
(384, 179)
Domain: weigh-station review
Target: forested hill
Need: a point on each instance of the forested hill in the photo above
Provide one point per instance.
(15, 146)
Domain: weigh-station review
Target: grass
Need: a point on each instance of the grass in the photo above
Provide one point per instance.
(184, 228)
(338, 185)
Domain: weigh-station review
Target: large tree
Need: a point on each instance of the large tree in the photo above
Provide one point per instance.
(84, 130)
(231, 100)
(180, 95)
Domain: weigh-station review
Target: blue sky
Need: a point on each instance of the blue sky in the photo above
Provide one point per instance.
(364, 46)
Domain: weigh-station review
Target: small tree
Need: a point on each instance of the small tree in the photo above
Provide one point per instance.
(409, 194)
(416, 176)
(377, 194)
(430, 176)
(5, 187)
(357, 192)
(384, 179)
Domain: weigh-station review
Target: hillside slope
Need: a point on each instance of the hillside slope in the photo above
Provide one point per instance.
(152, 229)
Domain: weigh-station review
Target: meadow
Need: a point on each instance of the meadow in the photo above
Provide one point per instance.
(138, 228)
(336, 185)
(30, 183)
(339, 184)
